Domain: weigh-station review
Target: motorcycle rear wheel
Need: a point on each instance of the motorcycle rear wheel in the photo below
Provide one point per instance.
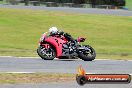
(87, 56)
(46, 54)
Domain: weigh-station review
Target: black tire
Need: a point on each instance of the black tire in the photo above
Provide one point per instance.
(89, 57)
(44, 56)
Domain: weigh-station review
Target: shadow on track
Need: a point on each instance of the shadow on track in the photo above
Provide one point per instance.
(66, 60)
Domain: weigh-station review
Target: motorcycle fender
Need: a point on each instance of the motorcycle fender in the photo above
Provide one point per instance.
(58, 47)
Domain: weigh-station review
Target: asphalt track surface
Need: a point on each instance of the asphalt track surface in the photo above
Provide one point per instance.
(66, 85)
(15, 64)
(74, 10)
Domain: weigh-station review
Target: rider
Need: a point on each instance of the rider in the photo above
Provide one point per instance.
(54, 31)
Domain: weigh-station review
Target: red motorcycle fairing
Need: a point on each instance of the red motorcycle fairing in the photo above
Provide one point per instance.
(57, 43)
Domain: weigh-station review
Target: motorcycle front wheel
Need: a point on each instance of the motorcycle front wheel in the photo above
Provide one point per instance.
(46, 54)
(87, 55)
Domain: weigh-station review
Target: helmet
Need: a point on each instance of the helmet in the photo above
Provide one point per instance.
(53, 30)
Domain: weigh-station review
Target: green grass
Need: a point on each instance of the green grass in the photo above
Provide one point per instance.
(20, 30)
(129, 4)
(17, 78)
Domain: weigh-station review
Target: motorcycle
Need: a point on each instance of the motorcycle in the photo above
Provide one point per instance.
(58, 46)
